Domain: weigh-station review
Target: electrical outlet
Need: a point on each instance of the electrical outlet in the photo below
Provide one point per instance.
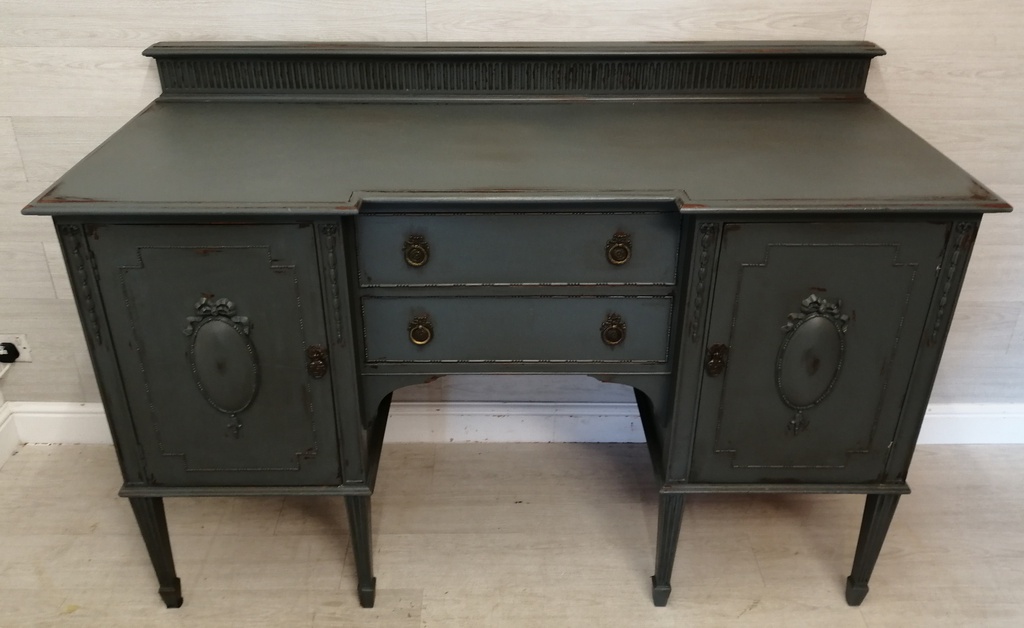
(21, 342)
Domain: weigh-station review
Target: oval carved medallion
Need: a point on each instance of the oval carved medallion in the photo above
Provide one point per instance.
(222, 357)
(810, 357)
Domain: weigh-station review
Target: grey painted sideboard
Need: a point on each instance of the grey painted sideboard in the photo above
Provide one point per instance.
(291, 232)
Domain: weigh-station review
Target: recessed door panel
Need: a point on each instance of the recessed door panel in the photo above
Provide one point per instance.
(212, 330)
(816, 327)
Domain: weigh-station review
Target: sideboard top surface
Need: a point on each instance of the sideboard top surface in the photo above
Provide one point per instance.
(227, 155)
(329, 157)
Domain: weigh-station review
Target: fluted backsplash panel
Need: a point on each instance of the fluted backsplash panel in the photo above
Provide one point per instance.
(513, 74)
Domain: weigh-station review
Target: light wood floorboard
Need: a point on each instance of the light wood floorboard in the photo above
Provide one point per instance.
(512, 535)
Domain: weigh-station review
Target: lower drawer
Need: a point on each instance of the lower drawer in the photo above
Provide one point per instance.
(516, 329)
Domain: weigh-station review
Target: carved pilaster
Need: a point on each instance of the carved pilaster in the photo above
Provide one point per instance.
(330, 236)
(83, 275)
(708, 233)
(963, 232)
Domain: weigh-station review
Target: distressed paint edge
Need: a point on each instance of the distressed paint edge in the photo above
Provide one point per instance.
(202, 48)
(467, 422)
(93, 209)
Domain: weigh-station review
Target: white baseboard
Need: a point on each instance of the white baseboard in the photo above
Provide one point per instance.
(973, 423)
(60, 422)
(51, 422)
(48, 422)
(10, 440)
(514, 422)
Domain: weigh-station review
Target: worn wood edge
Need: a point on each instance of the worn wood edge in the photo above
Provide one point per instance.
(62, 206)
(85, 208)
(386, 98)
(701, 488)
(990, 204)
(854, 48)
(142, 490)
(41, 422)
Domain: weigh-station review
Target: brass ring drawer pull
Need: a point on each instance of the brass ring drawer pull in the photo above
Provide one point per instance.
(416, 251)
(421, 331)
(613, 330)
(619, 249)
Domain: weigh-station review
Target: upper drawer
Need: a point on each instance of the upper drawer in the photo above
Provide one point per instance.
(518, 248)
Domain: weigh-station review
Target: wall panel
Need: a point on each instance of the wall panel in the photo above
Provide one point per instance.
(953, 74)
(139, 23)
(646, 20)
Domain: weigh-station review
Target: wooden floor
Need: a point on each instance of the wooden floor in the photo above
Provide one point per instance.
(513, 535)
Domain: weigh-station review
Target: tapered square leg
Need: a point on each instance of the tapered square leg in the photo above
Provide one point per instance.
(358, 508)
(878, 513)
(670, 516)
(149, 512)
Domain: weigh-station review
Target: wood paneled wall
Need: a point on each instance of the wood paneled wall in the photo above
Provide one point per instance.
(71, 73)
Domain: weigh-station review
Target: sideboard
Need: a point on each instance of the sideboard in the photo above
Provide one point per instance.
(293, 231)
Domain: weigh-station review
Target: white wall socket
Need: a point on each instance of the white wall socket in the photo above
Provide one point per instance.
(21, 342)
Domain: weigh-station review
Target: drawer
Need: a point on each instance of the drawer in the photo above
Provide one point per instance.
(518, 248)
(507, 329)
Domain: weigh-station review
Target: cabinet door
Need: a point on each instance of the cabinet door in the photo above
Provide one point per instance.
(212, 327)
(813, 332)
